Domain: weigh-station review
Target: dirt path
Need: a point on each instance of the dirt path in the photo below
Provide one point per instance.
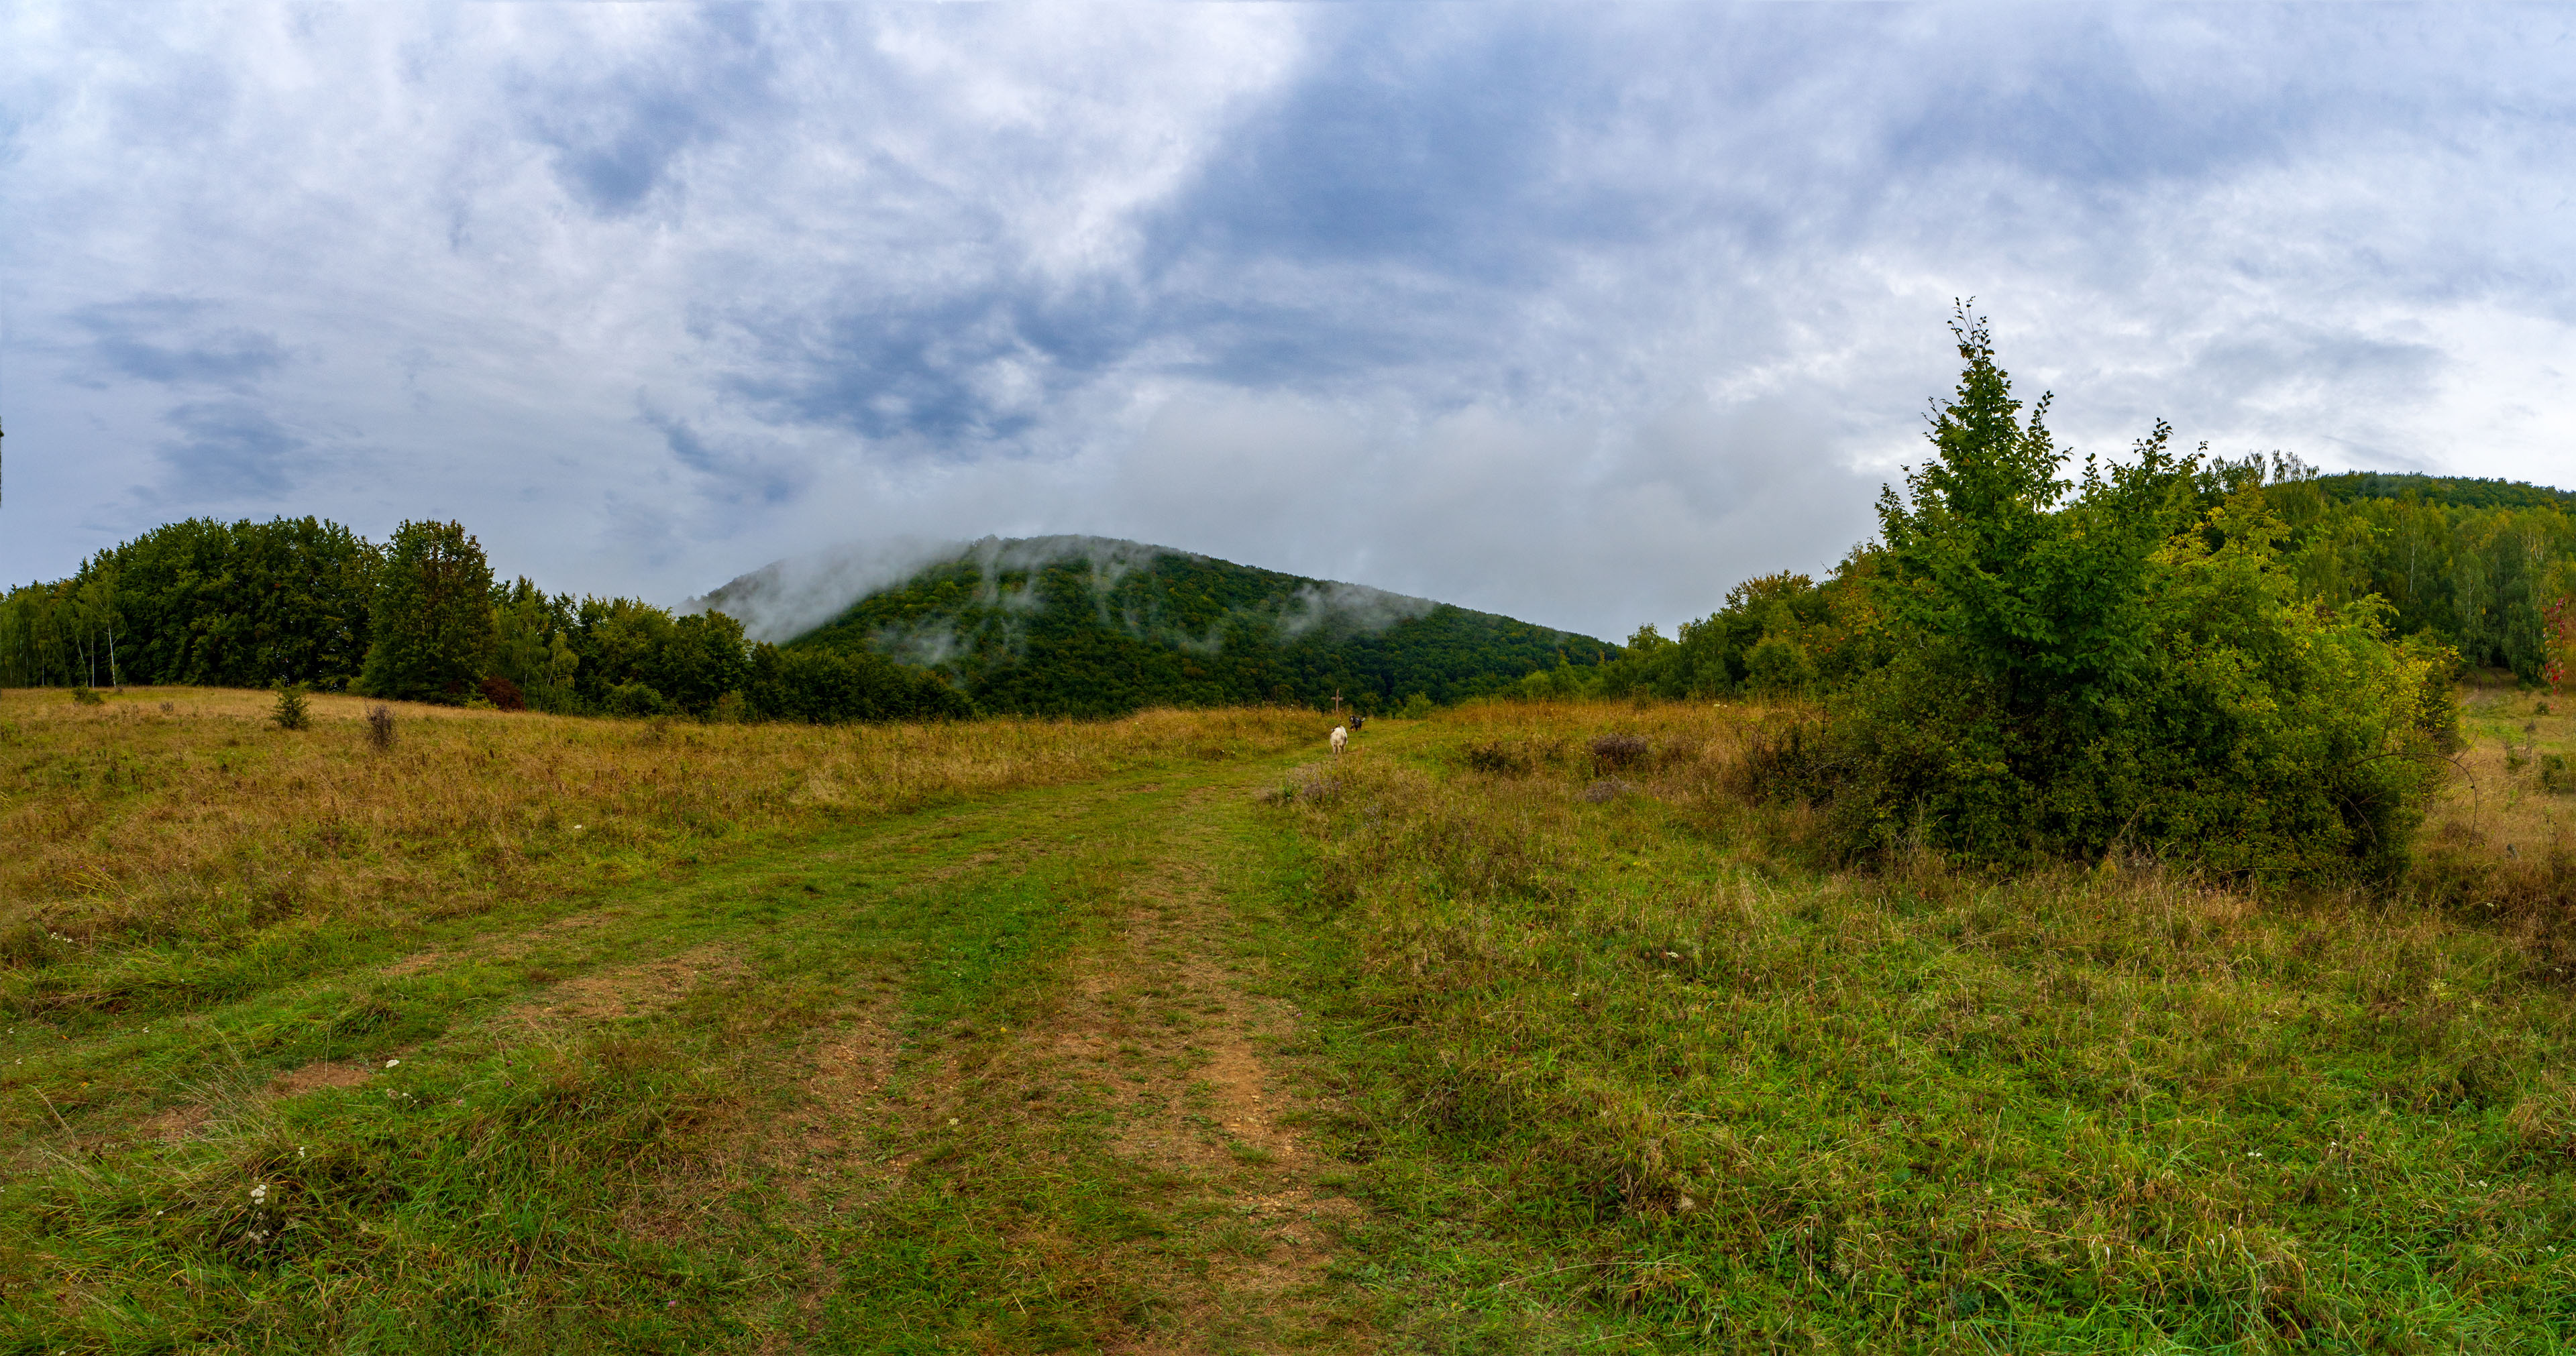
(1162, 1024)
(1155, 1040)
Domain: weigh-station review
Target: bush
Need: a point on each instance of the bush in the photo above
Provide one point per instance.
(503, 694)
(292, 711)
(637, 699)
(2130, 671)
(1776, 664)
(1416, 706)
(1614, 751)
(84, 696)
(380, 727)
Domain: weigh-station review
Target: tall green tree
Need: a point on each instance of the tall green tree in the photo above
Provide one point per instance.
(2119, 662)
(432, 619)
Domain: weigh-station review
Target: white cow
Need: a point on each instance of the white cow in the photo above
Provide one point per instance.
(1340, 738)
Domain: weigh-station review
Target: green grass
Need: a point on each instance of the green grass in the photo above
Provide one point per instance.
(1259, 1053)
(1618, 1074)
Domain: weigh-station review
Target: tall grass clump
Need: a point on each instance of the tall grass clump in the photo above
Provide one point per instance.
(2120, 663)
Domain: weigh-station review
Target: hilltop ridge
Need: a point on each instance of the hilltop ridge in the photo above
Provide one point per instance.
(1085, 625)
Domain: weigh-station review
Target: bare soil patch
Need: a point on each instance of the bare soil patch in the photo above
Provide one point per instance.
(632, 990)
(316, 1076)
(173, 1125)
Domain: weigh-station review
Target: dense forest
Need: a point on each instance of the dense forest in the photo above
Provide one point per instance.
(308, 602)
(1092, 626)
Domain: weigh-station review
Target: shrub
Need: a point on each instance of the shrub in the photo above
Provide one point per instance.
(1777, 664)
(503, 694)
(1416, 706)
(1501, 757)
(84, 696)
(2117, 663)
(293, 711)
(1614, 751)
(380, 727)
(637, 699)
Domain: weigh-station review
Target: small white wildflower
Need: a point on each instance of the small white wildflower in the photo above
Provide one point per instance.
(392, 1062)
(259, 1193)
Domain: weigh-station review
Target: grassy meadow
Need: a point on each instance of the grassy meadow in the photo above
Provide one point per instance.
(1524, 1027)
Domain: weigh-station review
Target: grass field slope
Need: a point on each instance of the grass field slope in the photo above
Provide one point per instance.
(1098, 626)
(1522, 1027)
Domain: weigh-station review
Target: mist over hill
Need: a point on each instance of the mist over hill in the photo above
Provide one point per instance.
(1080, 625)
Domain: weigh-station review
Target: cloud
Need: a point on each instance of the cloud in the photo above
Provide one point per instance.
(615, 127)
(227, 452)
(1577, 316)
(170, 341)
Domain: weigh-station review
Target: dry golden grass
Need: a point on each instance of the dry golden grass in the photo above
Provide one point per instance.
(184, 812)
(2495, 803)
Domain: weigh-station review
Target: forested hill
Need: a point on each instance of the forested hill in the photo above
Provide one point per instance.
(1096, 626)
(2445, 491)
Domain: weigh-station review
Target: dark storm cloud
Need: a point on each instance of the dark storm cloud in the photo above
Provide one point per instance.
(923, 374)
(1410, 141)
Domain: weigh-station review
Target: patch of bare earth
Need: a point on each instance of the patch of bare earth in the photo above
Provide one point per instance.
(512, 946)
(820, 1159)
(1166, 1032)
(174, 1124)
(630, 990)
(313, 1077)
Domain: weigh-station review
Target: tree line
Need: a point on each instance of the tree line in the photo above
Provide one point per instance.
(2482, 569)
(304, 601)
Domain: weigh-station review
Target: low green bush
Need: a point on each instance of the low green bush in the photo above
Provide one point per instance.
(293, 711)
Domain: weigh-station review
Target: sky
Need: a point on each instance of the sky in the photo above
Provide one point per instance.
(1578, 313)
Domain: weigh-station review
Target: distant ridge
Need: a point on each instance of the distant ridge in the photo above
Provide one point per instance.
(1081, 625)
(2450, 491)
